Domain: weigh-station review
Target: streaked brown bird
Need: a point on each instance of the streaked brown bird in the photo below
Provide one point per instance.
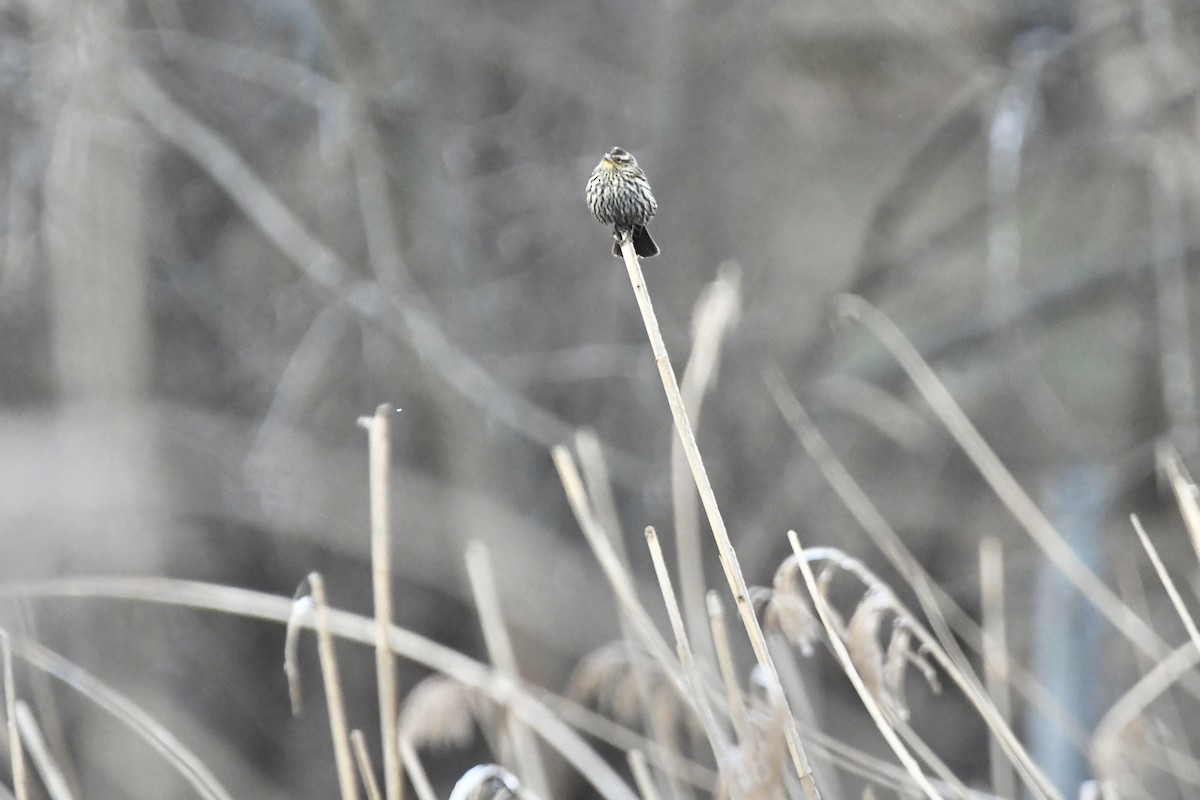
(619, 195)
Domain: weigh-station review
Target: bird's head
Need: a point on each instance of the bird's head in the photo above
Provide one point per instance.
(618, 158)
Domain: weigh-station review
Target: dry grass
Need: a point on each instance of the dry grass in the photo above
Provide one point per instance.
(701, 706)
(685, 716)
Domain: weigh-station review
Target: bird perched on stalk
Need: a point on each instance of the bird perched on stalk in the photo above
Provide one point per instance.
(619, 195)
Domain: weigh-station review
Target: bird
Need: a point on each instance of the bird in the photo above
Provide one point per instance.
(618, 194)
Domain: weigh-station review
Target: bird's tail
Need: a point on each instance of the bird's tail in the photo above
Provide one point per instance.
(643, 245)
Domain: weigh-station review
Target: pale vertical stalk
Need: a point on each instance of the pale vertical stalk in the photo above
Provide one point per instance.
(729, 561)
(699, 697)
(943, 611)
(995, 656)
(1168, 582)
(1185, 492)
(39, 753)
(347, 784)
(720, 638)
(715, 312)
(380, 460)
(867, 515)
(1011, 494)
(500, 649)
(618, 576)
(358, 743)
(15, 751)
(635, 622)
(913, 740)
(843, 656)
(1133, 589)
(604, 509)
(599, 488)
(641, 775)
(416, 771)
(47, 707)
(1035, 779)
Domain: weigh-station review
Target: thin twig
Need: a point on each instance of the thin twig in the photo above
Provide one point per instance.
(158, 737)
(43, 760)
(333, 690)
(1185, 492)
(618, 576)
(1133, 590)
(720, 637)
(1018, 502)
(44, 702)
(866, 514)
(380, 460)
(717, 737)
(415, 770)
(934, 600)
(995, 655)
(15, 751)
(1139, 696)
(1168, 582)
(604, 511)
(1032, 774)
(599, 488)
(220, 599)
(843, 657)
(641, 775)
(358, 743)
(715, 313)
(729, 560)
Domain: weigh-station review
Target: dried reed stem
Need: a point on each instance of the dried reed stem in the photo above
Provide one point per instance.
(866, 514)
(843, 656)
(192, 770)
(641, 775)
(1015, 498)
(940, 608)
(1032, 774)
(1139, 696)
(380, 461)
(51, 722)
(599, 488)
(635, 622)
(215, 598)
(614, 570)
(720, 638)
(347, 784)
(725, 551)
(1185, 493)
(358, 743)
(1133, 590)
(500, 649)
(717, 738)
(43, 760)
(673, 764)
(15, 751)
(604, 511)
(416, 770)
(995, 655)
(1168, 583)
(715, 312)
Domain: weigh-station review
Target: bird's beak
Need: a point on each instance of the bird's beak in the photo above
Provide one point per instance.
(608, 162)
